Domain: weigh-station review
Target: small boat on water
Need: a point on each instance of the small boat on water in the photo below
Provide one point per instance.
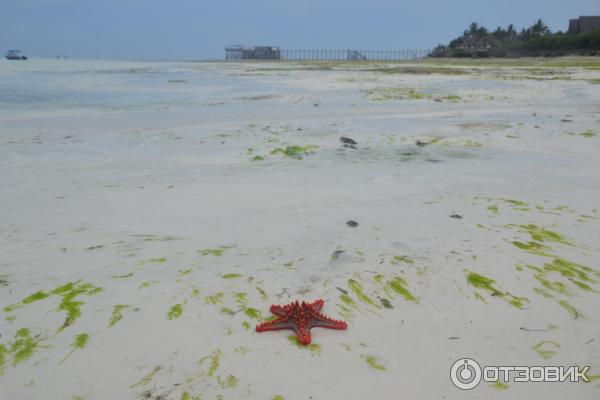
(15, 55)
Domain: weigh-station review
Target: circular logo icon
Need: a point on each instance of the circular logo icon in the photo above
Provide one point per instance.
(465, 373)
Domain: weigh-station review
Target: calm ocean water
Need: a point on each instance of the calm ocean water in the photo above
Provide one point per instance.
(49, 85)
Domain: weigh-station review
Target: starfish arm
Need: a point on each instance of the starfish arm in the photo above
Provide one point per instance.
(316, 305)
(279, 310)
(319, 320)
(276, 324)
(304, 338)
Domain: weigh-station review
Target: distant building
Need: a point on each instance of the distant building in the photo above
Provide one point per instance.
(238, 52)
(584, 24)
(356, 55)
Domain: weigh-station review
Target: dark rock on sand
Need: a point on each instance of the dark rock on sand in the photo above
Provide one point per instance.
(336, 254)
(347, 140)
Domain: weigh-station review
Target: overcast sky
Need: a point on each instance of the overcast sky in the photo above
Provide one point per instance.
(192, 29)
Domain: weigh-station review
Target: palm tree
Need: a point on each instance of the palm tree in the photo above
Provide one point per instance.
(473, 29)
(511, 31)
(539, 29)
(500, 33)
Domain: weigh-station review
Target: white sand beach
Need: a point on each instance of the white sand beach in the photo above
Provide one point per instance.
(151, 212)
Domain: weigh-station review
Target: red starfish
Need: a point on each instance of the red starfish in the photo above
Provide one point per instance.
(300, 317)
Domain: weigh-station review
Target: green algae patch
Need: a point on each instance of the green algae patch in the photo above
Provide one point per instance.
(157, 260)
(314, 348)
(345, 311)
(575, 313)
(493, 208)
(399, 286)
(69, 292)
(212, 252)
(3, 354)
(32, 298)
(214, 361)
(540, 234)
(516, 203)
(472, 143)
(146, 284)
(516, 301)
(214, 299)
(241, 350)
(554, 286)
(263, 294)
(295, 152)
(117, 314)
(532, 247)
(229, 382)
(241, 298)
(499, 385)
(188, 396)
(396, 93)
(246, 325)
(79, 342)
(372, 361)
(542, 292)
(227, 311)
(585, 218)
(257, 158)
(24, 346)
(546, 349)
(37, 296)
(482, 282)
(253, 313)
(348, 300)
(451, 97)
(218, 252)
(175, 311)
(587, 134)
(277, 397)
(479, 297)
(357, 288)
(146, 379)
(402, 260)
(581, 285)
(231, 276)
(571, 270)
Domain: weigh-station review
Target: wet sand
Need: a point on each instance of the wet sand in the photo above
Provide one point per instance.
(152, 212)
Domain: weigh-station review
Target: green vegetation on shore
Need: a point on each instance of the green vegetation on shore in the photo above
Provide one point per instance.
(537, 40)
